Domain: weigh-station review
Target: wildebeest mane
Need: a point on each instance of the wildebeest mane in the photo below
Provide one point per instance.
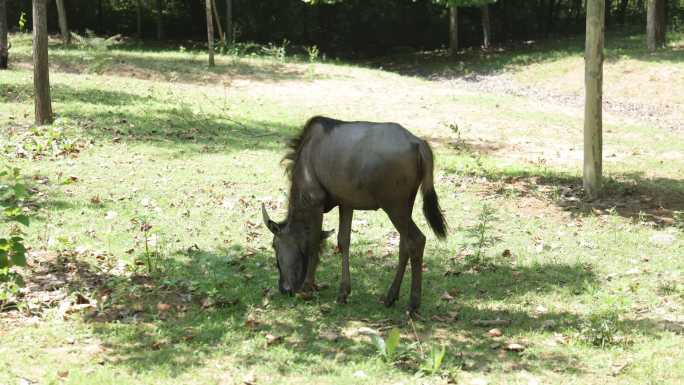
(296, 144)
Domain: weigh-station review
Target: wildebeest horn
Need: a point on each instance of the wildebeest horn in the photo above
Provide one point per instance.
(268, 222)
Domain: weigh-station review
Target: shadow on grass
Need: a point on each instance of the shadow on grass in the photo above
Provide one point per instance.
(659, 200)
(202, 303)
(438, 64)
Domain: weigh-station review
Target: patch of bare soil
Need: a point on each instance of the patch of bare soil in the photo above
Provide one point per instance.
(662, 115)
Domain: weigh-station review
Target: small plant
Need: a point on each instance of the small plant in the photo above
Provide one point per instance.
(12, 250)
(152, 255)
(433, 364)
(603, 327)
(480, 234)
(387, 348)
(22, 22)
(313, 53)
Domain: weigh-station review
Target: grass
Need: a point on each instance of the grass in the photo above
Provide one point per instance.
(150, 264)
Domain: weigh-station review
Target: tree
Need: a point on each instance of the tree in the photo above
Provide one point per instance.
(63, 26)
(655, 24)
(41, 70)
(218, 24)
(486, 27)
(138, 14)
(453, 6)
(593, 113)
(160, 19)
(210, 33)
(229, 21)
(4, 44)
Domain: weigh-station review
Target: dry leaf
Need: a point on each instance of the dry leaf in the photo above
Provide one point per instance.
(514, 347)
(495, 332)
(63, 373)
(162, 307)
(446, 297)
(272, 339)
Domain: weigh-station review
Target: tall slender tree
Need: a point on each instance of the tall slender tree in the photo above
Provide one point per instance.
(63, 25)
(229, 21)
(593, 107)
(41, 70)
(4, 43)
(651, 21)
(160, 19)
(222, 37)
(453, 29)
(210, 33)
(453, 6)
(138, 17)
(486, 27)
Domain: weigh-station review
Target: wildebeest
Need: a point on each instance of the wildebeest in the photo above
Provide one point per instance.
(355, 166)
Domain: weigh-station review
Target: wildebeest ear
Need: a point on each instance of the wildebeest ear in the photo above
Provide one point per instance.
(325, 234)
(274, 227)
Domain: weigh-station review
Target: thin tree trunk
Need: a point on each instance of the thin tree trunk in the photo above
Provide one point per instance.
(4, 43)
(218, 24)
(100, 16)
(593, 114)
(453, 30)
(608, 6)
(661, 22)
(651, 17)
(229, 21)
(160, 19)
(41, 70)
(63, 25)
(486, 26)
(210, 33)
(138, 17)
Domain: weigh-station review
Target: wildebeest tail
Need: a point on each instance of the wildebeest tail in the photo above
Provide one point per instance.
(431, 209)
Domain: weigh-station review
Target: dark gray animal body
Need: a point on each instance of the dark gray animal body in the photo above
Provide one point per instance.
(354, 166)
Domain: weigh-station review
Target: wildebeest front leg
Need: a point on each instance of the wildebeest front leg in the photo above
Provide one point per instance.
(343, 240)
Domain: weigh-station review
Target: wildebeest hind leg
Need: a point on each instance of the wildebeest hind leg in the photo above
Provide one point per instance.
(416, 249)
(400, 221)
(343, 241)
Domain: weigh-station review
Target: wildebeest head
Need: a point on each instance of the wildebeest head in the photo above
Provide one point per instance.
(292, 253)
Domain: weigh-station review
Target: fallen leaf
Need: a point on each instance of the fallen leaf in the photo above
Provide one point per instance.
(446, 297)
(495, 332)
(272, 339)
(63, 373)
(162, 307)
(514, 347)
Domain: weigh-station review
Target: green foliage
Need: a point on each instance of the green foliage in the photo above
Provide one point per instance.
(433, 364)
(12, 192)
(481, 237)
(387, 349)
(603, 327)
(22, 22)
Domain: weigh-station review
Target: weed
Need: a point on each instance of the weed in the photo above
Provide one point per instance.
(603, 327)
(313, 53)
(387, 349)
(480, 236)
(433, 364)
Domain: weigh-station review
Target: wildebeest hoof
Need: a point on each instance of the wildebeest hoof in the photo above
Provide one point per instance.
(310, 287)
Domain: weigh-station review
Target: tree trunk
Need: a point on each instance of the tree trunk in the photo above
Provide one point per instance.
(63, 25)
(4, 43)
(41, 70)
(651, 22)
(138, 17)
(453, 30)
(661, 22)
(210, 33)
(593, 114)
(608, 5)
(218, 24)
(229, 21)
(100, 16)
(160, 19)
(486, 26)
